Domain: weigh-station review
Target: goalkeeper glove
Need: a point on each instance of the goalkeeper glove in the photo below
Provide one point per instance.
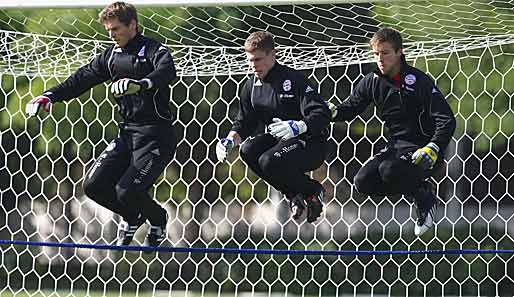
(333, 109)
(287, 129)
(32, 108)
(128, 86)
(223, 148)
(426, 156)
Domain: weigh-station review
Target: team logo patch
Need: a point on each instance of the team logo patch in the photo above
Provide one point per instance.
(287, 85)
(410, 79)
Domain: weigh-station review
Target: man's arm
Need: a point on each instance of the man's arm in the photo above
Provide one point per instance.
(356, 103)
(315, 110)
(443, 116)
(82, 80)
(444, 121)
(246, 120)
(244, 124)
(164, 72)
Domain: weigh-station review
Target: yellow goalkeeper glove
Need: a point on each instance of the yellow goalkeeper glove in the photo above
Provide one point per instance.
(426, 156)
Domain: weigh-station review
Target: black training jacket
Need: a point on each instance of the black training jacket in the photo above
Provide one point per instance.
(286, 94)
(142, 57)
(416, 112)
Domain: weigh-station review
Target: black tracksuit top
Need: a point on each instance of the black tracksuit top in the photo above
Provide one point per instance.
(416, 112)
(286, 94)
(142, 57)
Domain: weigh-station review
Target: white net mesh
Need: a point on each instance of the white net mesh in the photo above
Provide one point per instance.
(466, 46)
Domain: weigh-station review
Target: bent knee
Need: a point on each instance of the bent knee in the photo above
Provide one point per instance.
(386, 171)
(269, 164)
(91, 187)
(362, 184)
(391, 172)
(245, 151)
(122, 193)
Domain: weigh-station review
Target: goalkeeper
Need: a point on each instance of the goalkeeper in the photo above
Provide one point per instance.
(141, 70)
(419, 121)
(282, 100)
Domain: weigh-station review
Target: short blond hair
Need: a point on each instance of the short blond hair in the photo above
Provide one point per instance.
(125, 12)
(260, 40)
(387, 34)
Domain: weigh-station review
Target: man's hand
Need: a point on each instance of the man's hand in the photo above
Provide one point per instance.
(287, 129)
(426, 156)
(32, 108)
(128, 86)
(333, 109)
(223, 148)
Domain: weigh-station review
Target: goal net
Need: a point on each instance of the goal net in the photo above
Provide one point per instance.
(466, 46)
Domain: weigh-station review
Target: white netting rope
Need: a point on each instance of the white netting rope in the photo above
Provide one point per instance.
(294, 25)
(43, 161)
(32, 54)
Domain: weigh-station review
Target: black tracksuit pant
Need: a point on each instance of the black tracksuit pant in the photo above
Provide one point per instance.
(123, 174)
(283, 164)
(391, 171)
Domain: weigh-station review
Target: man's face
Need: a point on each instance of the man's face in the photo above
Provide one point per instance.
(388, 60)
(261, 61)
(119, 32)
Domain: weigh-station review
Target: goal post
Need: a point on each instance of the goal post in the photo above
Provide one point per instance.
(466, 46)
(167, 3)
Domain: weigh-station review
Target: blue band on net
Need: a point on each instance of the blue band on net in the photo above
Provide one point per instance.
(253, 251)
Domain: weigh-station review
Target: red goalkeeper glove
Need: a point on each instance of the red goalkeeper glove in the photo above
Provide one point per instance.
(32, 108)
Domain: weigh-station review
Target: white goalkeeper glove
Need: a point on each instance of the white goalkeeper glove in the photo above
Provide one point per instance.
(128, 86)
(32, 108)
(223, 148)
(287, 129)
(333, 109)
(426, 156)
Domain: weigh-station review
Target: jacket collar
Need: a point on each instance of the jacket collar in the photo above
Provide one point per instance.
(134, 43)
(272, 73)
